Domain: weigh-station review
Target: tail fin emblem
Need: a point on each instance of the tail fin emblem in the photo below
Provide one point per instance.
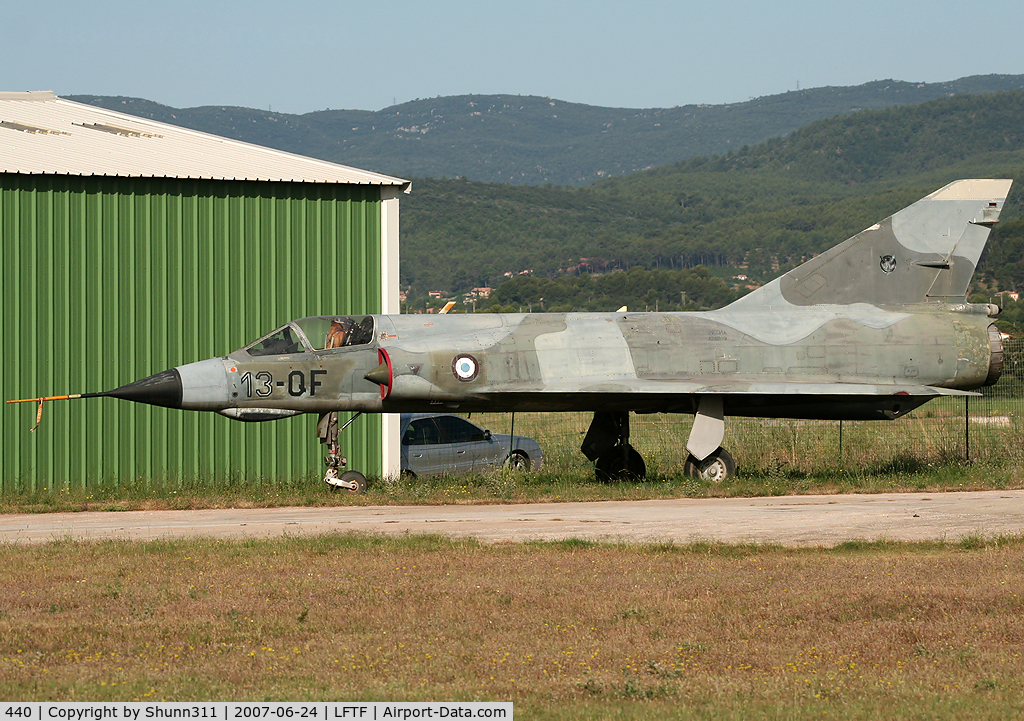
(887, 263)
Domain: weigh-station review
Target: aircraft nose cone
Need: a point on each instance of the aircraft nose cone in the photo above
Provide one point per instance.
(160, 389)
(201, 386)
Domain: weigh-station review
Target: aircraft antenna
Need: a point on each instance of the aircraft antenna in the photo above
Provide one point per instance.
(39, 410)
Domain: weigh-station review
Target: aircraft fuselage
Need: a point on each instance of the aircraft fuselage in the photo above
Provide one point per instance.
(860, 363)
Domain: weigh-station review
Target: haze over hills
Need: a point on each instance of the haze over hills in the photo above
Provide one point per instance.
(754, 210)
(529, 140)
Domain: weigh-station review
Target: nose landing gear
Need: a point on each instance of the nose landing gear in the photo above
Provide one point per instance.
(327, 431)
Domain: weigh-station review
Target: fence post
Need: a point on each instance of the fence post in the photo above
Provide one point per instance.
(967, 428)
(840, 444)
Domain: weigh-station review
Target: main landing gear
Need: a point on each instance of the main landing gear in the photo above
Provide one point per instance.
(607, 443)
(327, 431)
(707, 459)
(715, 468)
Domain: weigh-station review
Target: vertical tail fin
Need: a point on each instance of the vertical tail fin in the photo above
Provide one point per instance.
(927, 251)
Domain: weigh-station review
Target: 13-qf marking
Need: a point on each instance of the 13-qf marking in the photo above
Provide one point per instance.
(262, 383)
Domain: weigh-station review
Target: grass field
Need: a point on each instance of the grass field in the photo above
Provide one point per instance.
(936, 433)
(564, 630)
(925, 451)
(902, 474)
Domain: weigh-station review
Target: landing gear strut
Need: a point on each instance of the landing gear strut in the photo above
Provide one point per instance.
(327, 431)
(607, 443)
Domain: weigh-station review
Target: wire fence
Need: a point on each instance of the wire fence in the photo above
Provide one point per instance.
(945, 430)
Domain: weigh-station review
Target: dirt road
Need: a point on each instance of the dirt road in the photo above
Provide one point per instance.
(787, 520)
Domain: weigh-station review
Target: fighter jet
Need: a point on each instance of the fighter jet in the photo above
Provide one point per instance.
(871, 329)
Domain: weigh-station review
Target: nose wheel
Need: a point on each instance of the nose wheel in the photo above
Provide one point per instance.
(336, 476)
(351, 481)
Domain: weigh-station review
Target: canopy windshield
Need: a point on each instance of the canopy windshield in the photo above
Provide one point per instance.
(336, 331)
(316, 333)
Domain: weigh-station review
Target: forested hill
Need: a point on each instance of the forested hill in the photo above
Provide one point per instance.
(758, 211)
(530, 140)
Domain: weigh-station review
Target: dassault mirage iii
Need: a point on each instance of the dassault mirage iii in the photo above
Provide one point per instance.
(871, 329)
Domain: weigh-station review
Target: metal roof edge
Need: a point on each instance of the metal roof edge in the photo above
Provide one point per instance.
(371, 177)
(31, 95)
(403, 186)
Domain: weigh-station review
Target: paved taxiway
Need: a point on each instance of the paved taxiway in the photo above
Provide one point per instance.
(787, 520)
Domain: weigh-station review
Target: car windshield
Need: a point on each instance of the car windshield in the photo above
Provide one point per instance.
(316, 333)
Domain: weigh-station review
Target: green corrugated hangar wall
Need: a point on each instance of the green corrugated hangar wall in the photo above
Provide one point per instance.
(108, 280)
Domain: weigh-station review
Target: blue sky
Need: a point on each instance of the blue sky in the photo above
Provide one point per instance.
(304, 56)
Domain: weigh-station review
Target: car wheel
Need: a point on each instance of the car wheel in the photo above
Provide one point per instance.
(518, 461)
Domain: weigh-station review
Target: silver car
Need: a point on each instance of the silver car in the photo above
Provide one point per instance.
(435, 443)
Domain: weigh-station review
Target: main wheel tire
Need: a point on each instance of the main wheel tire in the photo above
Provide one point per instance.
(613, 466)
(518, 461)
(715, 468)
(353, 477)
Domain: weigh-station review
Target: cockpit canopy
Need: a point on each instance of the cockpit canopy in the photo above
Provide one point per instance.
(317, 333)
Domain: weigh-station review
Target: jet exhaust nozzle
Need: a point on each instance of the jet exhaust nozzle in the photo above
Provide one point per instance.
(996, 357)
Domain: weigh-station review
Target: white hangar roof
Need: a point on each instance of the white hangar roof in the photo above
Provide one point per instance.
(41, 134)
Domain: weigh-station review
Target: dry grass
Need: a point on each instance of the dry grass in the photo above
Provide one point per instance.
(922, 452)
(900, 474)
(563, 630)
(934, 434)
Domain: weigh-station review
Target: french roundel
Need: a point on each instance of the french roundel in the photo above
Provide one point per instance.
(465, 367)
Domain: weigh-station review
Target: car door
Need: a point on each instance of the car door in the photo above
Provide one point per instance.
(471, 448)
(422, 446)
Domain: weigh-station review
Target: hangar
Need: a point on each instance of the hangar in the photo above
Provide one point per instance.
(131, 246)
